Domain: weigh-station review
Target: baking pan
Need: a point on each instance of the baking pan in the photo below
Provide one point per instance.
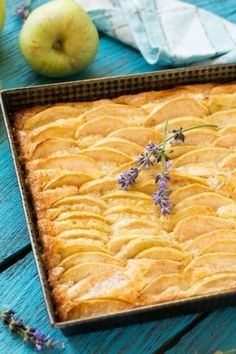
(89, 90)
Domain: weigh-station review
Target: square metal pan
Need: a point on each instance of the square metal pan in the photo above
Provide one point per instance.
(88, 90)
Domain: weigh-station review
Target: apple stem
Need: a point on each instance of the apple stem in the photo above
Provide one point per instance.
(57, 44)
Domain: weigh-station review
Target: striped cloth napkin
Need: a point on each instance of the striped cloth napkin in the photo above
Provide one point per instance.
(166, 32)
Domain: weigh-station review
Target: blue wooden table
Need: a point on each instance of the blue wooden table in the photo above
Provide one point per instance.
(19, 283)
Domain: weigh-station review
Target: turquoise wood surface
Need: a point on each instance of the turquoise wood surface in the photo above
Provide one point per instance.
(19, 284)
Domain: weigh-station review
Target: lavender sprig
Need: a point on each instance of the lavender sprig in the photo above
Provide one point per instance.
(161, 197)
(127, 179)
(158, 154)
(178, 136)
(23, 10)
(29, 335)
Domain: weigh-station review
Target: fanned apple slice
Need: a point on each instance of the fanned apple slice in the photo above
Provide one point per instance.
(178, 107)
(137, 226)
(164, 252)
(64, 128)
(40, 178)
(228, 246)
(147, 186)
(51, 146)
(212, 263)
(173, 283)
(100, 186)
(205, 155)
(200, 170)
(187, 191)
(118, 170)
(199, 243)
(87, 234)
(126, 195)
(223, 89)
(113, 284)
(77, 203)
(227, 211)
(50, 115)
(181, 122)
(53, 213)
(178, 180)
(87, 257)
(143, 99)
(69, 247)
(94, 308)
(125, 146)
(73, 162)
(200, 137)
(100, 126)
(84, 270)
(129, 199)
(208, 199)
(60, 131)
(82, 223)
(226, 141)
(193, 226)
(139, 135)
(222, 102)
(229, 161)
(214, 283)
(47, 198)
(186, 212)
(116, 243)
(105, 154)
(181, 150)
(223, 119)
(80, 199)
(163, 266)
(228, 130)
(69, 179)
(134, 247)
(116, 213)
(78, 215)
(133, 114)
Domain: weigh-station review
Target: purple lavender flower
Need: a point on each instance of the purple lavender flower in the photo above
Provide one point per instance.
(161, 197)
(23, 11)
(29, 335)
(178, 137)
(162, 180)
(168, 164)
(127, 179)
(152, 147)
(156, 151)
(144, 160)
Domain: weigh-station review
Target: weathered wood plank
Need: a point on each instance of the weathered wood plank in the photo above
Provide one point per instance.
(225, 9)
(13, 235)
(216, 332)
(23, 294)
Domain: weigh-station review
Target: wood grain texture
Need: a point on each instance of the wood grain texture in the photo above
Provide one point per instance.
(13, 234)
(216, 332)
(23, 294)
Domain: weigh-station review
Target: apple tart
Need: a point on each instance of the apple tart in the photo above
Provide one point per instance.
(106, 249)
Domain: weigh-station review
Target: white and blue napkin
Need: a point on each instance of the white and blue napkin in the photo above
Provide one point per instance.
(166, 32)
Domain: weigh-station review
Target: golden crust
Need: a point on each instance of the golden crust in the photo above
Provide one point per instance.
(108, 250)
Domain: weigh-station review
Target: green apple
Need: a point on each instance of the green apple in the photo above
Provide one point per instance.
(59, 39)
(2, 13)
